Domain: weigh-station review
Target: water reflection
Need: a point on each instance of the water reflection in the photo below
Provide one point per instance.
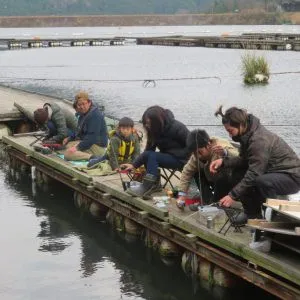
(109, 267)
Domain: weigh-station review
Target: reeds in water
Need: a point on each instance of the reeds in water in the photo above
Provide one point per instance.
(255, 69)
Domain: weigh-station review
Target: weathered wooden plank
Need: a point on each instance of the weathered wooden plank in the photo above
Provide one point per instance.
(277, 230)
(135, 201)
(275, 265)
(277, 202)
(15, 142)
(293, 208)
(238, 248)
(208, 235)
(22, 144)
(291, 214)
(266, 224)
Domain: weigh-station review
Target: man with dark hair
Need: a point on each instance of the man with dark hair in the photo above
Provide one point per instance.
(203, 151)
(59, 124)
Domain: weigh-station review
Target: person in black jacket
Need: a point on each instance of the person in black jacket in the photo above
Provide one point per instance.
(91, 134)
(271, 167)
(169, 136)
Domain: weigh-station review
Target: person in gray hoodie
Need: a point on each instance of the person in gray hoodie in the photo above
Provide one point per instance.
(271, 166)
(58, 124)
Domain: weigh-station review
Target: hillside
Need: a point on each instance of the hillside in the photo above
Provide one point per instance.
(127, 7)
(243, 18)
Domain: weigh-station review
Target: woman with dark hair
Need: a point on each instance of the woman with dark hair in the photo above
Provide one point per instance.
(271, 167)
(169, 136)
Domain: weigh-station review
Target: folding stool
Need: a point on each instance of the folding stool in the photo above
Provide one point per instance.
(167, 175)
(231, 214)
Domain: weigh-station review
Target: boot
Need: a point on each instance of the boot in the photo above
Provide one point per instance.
(242, 218)
(150, 185)
(156, 188)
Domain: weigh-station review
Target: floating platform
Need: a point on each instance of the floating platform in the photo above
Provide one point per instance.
(10, 44)
(246, 41)
(277, 272)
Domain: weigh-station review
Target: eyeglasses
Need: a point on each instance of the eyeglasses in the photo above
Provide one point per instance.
(82, 104)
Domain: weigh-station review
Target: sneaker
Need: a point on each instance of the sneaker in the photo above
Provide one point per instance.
(94, 161)
(242, 218)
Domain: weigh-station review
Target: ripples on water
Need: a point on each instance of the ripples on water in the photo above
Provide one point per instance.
(48, 249)
(192, 101)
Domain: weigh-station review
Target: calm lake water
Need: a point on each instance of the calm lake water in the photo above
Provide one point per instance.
(51, 251)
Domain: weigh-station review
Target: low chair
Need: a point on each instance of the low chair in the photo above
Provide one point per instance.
(167, 175)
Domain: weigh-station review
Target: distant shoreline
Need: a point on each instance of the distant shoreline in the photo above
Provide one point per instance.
(242, 18)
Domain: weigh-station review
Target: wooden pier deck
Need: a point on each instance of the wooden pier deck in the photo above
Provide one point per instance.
(277, 272)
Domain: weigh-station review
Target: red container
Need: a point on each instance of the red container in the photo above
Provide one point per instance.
(189, 201)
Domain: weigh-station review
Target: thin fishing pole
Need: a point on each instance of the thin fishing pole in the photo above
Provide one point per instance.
(146, 82)
(267, 125)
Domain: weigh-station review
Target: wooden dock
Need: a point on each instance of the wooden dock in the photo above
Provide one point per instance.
(289, 42)
(277, 272)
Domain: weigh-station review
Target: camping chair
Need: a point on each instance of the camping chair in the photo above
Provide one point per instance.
(134, 175)
(231, 214)
(167, 174)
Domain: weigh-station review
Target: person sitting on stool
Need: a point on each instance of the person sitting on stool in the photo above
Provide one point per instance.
(169, 136)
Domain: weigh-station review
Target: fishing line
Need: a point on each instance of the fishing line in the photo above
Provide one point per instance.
(267, 125)
(199, 168)
(145, 82)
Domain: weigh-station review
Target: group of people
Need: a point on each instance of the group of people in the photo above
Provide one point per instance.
(258, 165)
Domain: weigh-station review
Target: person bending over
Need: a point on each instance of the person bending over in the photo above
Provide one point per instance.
(59, 125)
(271, 167)
(203, 151)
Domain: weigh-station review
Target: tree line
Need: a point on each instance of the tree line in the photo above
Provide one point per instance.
(120, 7)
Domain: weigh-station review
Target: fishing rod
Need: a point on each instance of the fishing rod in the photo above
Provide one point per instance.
(145, 82)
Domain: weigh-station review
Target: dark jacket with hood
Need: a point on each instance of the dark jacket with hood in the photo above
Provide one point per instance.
(172, 140)
(262, 151)
(91, 129)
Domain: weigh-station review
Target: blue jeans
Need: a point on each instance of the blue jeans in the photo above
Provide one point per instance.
(53, 130)
(153, 160)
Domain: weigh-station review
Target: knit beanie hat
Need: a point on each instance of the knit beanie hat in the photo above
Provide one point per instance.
(40, 115)
(197, 139)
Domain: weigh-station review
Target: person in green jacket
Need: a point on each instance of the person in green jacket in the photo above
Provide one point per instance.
(124, 145)
(58, 124)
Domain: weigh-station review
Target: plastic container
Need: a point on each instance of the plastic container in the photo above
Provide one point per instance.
(161, 199)
(208, 209)
(135, 184)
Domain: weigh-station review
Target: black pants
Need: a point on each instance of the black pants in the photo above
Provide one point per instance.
(272, 184)
(268, 185)
(222, 185)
